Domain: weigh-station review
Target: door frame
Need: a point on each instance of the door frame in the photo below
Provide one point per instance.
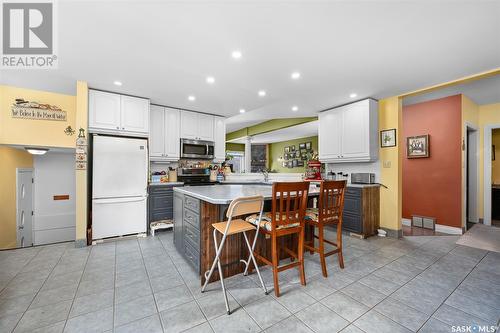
(18, 171)
(488, 134)
(467, 126)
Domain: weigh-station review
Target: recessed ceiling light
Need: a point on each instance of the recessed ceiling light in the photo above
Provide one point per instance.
(262, 93)
(295, 75)
(353, 95)
(236, 54)
(117, 83)
(242, 111)
(210, 80)
(191, 98)
(295, 108)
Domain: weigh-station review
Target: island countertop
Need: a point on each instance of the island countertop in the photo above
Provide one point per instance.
(224, 194)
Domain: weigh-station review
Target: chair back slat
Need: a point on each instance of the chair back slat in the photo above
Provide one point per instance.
(245, 205)
(331, 200)
(289, 203)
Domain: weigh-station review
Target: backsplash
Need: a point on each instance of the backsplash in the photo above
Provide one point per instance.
(349, 168)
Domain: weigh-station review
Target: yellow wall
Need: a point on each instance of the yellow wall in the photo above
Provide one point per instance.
(390, 116)
(11, 158)
(495, 165)
(35, 132)
(276, 151)
(81, 175)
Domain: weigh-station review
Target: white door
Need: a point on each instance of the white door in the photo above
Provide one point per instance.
(355, 131)
(24, 207)
(189, 125)
(120, 167)
(205, 127)
(172, 134)
(134, 114)
(157, 132)
(220, 138)
(330, 138)
(104, 110)
(118, 217)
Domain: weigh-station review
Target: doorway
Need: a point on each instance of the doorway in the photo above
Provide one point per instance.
(24, 207)
(491, 184)
(471, 190)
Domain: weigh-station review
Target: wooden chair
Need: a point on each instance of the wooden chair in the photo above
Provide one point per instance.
(289, 203)
(329, 212)
(238, 207)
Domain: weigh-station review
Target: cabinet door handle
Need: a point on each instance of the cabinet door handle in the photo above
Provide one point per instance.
(123, 128)
(117, 127)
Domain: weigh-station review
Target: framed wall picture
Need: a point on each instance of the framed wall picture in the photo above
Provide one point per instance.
(417, 146)
(300, 163)
(388, 138)
(292, 148)
(295, 163)
(302, 146)
(309, 145)
(287, 149)
(285, 164)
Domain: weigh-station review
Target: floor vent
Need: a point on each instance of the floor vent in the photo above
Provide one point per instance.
(423, 222)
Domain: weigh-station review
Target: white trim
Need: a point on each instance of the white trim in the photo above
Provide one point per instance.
(448, 230)
(474, 218)
(487, 172)
(18, 171)
(406, 222)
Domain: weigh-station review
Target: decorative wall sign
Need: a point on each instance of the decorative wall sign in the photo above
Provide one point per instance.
(81, 151)
(417, 146)
(388, 138)
(33, 110)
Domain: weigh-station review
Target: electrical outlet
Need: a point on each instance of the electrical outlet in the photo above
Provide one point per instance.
(387, 164)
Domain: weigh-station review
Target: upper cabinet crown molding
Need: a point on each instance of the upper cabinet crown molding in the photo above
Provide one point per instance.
(112, 113)
(349, 133)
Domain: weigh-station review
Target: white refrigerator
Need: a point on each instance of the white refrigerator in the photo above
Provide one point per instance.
(119, 186)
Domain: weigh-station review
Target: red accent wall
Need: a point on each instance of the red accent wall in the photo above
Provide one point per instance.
(432, 186)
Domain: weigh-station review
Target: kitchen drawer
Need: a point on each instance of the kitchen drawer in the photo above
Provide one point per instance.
(354, 191)
(352, 223)
(161, 189)
(161, 201)
(192, 256)
(192, 235)
(161, 215)
(192, 203)
(192, 218)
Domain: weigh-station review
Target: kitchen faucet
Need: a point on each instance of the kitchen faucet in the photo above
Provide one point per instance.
(266, 175)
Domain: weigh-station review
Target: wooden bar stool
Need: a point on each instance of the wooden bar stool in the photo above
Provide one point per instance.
(289, 204)
(238, 207)
(329, 212)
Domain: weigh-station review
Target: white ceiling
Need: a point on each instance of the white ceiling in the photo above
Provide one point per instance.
(290, 133)
(483, 91)
(165, 49)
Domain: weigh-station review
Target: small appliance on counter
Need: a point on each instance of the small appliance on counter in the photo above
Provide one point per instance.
(313, 171)
(362, 178)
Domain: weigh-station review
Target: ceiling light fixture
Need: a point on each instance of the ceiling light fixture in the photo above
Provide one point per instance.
(353, 95)
(36, 151)
(295, 108)
(262, 93)
(117, 83)
(236, 54)
(191, 98)
(210, 80)
(242, 111)
(295, 75)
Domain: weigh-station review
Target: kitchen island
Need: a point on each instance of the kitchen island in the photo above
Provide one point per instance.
(197, 207)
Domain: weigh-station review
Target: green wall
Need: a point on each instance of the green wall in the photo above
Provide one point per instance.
(230, 146)
(277, 150)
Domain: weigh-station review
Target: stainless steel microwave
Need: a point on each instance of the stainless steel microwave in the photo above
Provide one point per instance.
(197, 149)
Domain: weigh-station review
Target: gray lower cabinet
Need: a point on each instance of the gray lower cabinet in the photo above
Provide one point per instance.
(362, 210)
(187, 228)
(353, 210)
(160, 203)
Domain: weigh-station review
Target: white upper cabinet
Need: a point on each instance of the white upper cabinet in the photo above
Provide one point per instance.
(135, 114)
(157, 132)
(164, 136)
(117, 114)
(220, 139)
(104, 110)
(172, 134)
(197, 126)
(349, 133)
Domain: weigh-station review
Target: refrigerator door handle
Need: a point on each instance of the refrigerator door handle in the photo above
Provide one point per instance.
(119, 200)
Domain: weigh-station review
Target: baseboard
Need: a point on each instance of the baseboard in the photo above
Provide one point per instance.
(80, 243)
(393, 233)
(406, 222)
(448, 230)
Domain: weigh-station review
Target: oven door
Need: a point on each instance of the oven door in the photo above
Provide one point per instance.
(197, 149)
